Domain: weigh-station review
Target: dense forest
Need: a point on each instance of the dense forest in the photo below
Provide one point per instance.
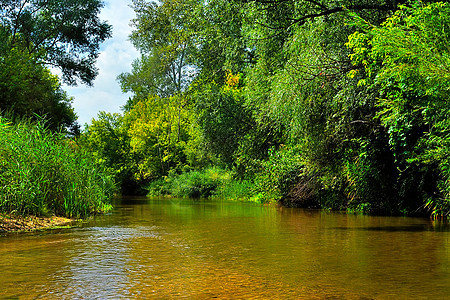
(335, 104)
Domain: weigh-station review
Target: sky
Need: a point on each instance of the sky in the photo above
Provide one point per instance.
(116, 56)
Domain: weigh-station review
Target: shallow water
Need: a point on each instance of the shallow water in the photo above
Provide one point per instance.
(204, 249)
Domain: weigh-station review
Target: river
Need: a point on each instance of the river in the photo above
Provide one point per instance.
(209, 249)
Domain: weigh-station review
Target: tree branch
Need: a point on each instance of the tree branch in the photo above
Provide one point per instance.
(16, 23)
(330, 11)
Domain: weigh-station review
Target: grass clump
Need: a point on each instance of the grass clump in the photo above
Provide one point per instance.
(42, 173)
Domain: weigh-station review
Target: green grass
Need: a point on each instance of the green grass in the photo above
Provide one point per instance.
(42, 173)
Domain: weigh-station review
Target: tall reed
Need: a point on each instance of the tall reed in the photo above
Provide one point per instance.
(43, 173)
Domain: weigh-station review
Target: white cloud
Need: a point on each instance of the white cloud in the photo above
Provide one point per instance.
(115, 58)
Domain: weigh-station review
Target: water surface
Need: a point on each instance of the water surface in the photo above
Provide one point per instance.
(205, 249)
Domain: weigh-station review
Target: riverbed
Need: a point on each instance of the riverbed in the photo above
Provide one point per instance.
(207, 249)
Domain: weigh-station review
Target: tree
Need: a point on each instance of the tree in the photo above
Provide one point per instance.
(299, 90)
(175, 46)
(28, 89)
(108, 140)
(408, 58)
(182, 41)
(222, 118)
(277, 96)
(158, 132)
(289, 13)
(163, 34)
(36, 35)
(64, 34)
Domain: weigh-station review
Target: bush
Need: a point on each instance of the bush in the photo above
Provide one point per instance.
(279, 174)
(197, 184)
(43, 173)
(213, 181)
(232, 189)
(159, 187)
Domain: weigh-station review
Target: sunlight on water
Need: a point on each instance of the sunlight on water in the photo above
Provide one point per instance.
(170, 249)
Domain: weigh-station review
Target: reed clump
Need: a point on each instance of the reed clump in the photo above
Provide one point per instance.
(43, 173)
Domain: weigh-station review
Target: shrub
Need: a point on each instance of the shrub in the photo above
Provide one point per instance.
(209, 182)
(279, 174)
(232, 189)
(196, 184)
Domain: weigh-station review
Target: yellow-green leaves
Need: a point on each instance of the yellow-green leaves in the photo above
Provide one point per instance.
(414, 42)
(158, 130)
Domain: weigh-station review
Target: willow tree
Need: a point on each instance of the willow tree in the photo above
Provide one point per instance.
(299, 91)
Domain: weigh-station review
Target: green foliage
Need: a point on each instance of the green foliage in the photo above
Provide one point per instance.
(222, 118)
(42, 173)
(279, 174)
(108, 141)
(268, 90)
(209, 182)
(307, 97)
(368, 179)
(37, 34)
(193, 184)
(150, 140)
(407, 56)
(66, 34)
(239, 190)
(164, 35)
(28, 89)
(158, 130)
(159, 187)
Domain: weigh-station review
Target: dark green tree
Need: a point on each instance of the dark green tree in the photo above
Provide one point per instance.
(36, 36)
(299, 89)
(28, 89)
(63, 34)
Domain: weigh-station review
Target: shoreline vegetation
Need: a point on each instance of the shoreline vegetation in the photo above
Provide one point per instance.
(332, 106)
(325, 105)
(44, 173)
(353, 121)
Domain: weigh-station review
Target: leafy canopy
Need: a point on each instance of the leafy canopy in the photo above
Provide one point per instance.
(61, 33)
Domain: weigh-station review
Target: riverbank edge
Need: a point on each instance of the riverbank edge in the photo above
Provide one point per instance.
(13, 223)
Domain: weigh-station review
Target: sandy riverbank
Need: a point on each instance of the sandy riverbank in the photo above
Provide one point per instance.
(11, 223)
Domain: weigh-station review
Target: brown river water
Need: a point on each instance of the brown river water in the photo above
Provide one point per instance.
(212, 249)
